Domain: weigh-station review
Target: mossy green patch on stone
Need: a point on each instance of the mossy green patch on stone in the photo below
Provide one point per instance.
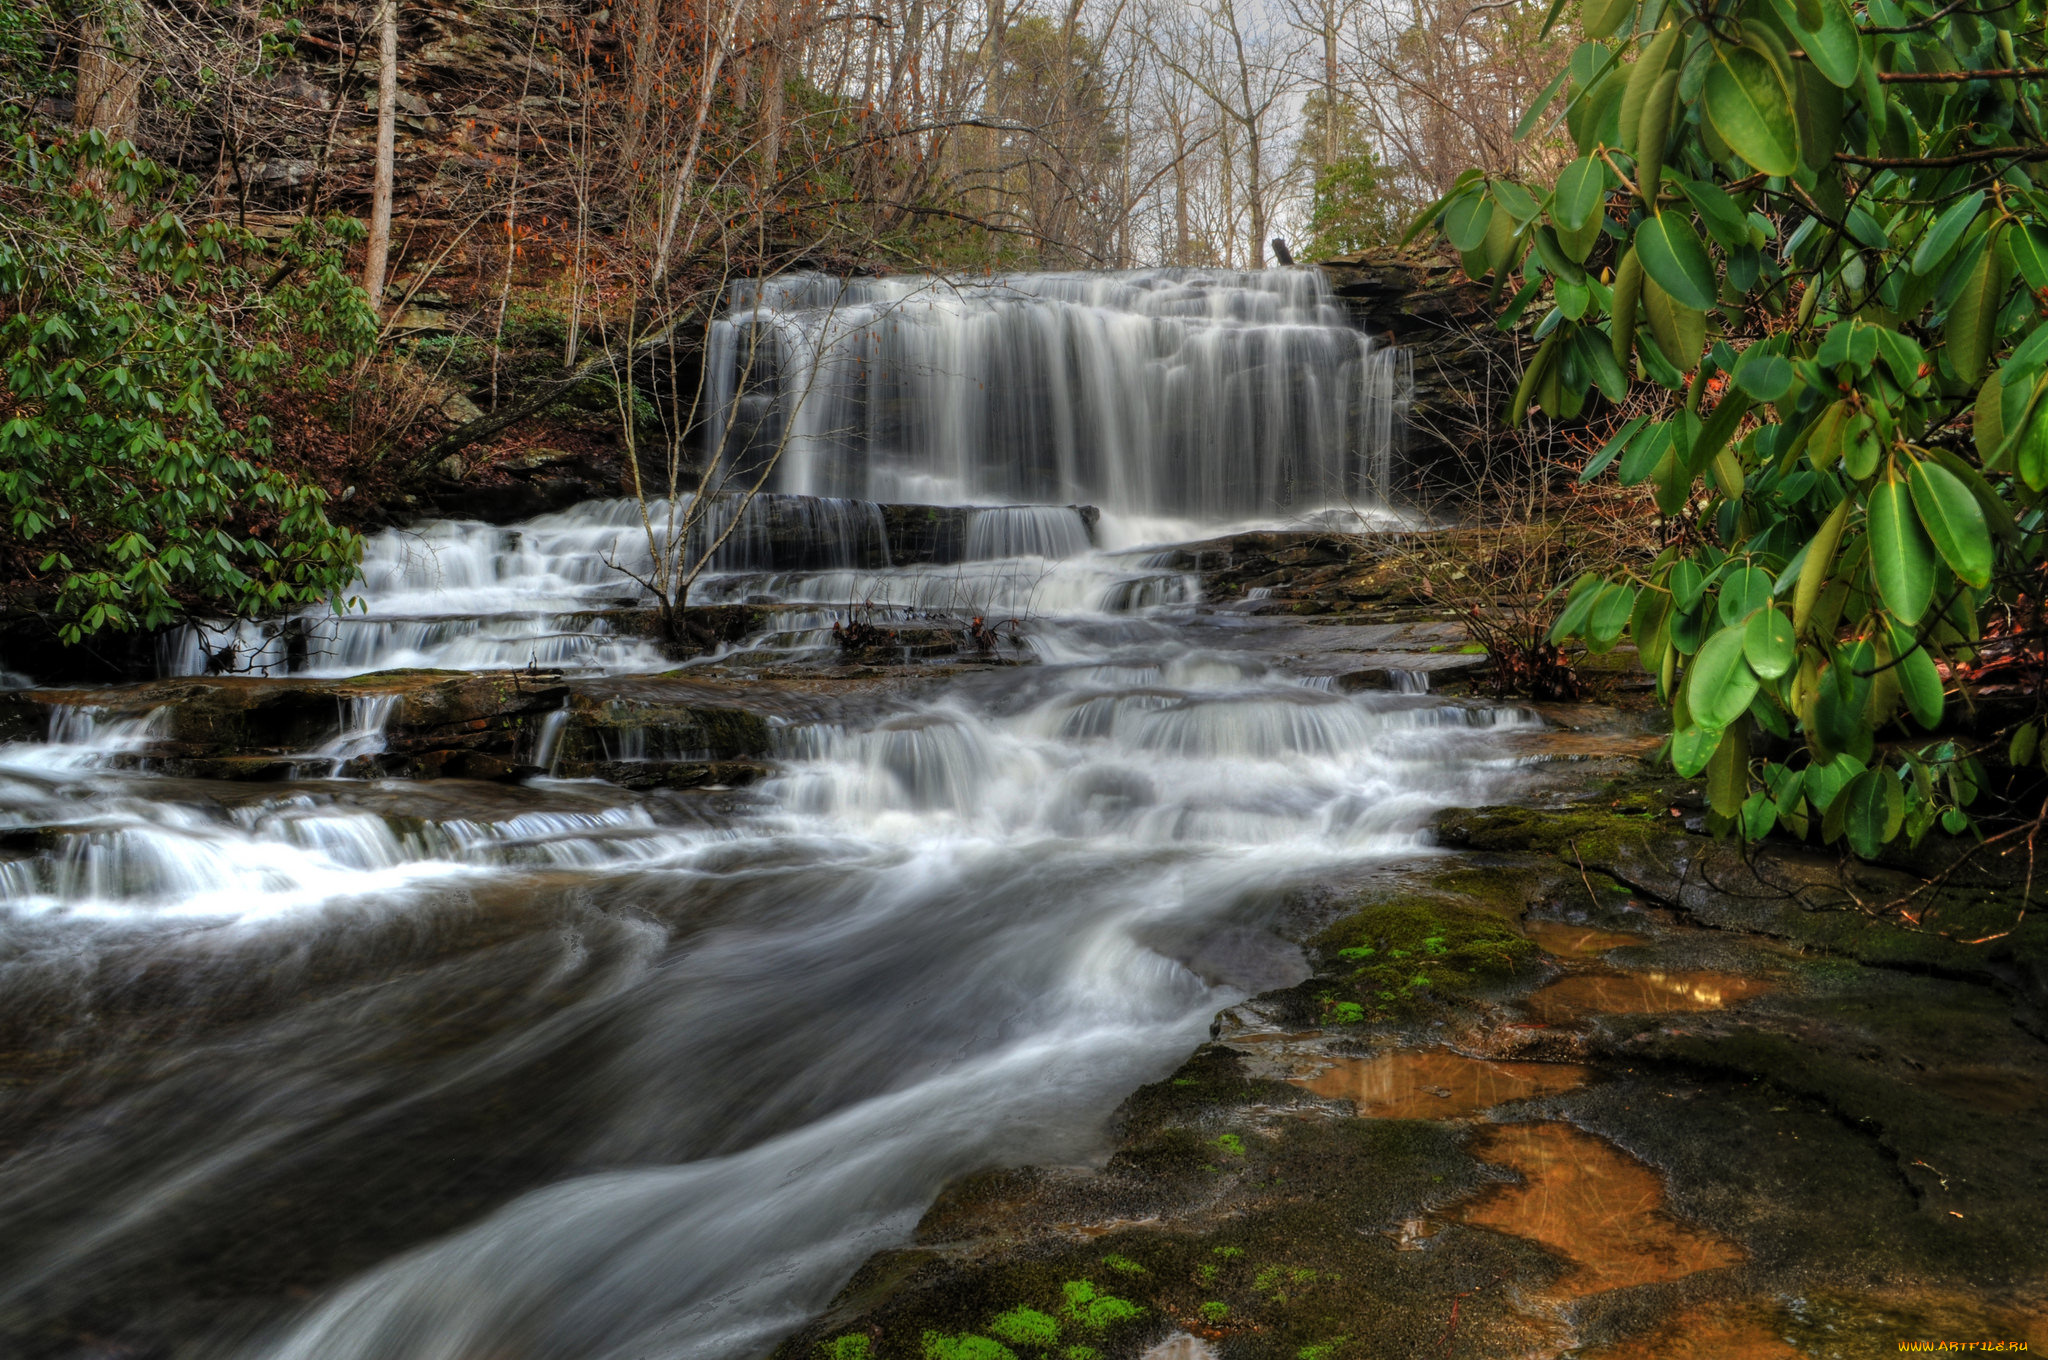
(1025, 1327)
(938, 1346)
(1401, 957)
(1577, 833)
(851, 1347)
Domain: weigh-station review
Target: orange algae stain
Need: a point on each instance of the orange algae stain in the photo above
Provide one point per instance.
(1434, 1083)
(1591, 1203)
(1576, 942)
(1646, 993)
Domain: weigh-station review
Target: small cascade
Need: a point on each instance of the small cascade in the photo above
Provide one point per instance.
(1050, 531)
(1197, 395)
(547, 741)
(363, 719)
(790, 533)
(82, 737)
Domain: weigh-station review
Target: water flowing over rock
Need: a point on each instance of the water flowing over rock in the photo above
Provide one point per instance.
(1163, 394)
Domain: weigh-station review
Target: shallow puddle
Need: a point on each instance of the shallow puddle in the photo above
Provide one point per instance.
(1591, 1203)
(1576, 942)
(1649, 993)
(1433, 1083)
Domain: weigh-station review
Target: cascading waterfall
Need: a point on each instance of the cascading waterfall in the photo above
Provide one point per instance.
(1154, 394)
(457, 594)
(355, 1069)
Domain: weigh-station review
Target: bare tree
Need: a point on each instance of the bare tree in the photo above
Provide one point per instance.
(377, 250)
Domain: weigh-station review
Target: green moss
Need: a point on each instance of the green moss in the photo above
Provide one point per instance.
(1392, 958)
(1025, 1327)
(1230, 1144)
(853, 1347)
(1214, 1310)
(938, 1346)
(1568, 833)
(1123, 1264)
(1091, 1308)
(1081, 1353)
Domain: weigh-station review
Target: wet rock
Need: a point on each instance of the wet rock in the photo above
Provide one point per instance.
(430, 724)
(1815, 1136)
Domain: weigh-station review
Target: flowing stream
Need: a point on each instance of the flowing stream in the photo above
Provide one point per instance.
(434, 1071)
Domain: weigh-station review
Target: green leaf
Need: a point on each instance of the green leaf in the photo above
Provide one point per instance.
(1647, 450)
(1953, 520)
(1825, 779)
(1743, 592)
(1759, 815)
(1534, 115)
(1581, 188)
(1673, 255)
(1946, 231)
(1467, 220)
(1973, 317)
(1608, 617)
(1687, 583)
(1612, 449)
(1598, 18)
(2029, 247)
(1720, 683)
(1876, 809)
(1848, 342)
(1725, 221)
(1768, 643)
(1680, 331)
(1693, 747)
(1831, 43)
(1919, 681)
(1861, 447)
(1901, 557)
(1750, 106)
(1767, 377)
(1577, 605)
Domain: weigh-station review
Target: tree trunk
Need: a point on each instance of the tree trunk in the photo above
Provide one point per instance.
(109, 77)
(376, 255)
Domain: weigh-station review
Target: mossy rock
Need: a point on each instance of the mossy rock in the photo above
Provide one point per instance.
(1406, 957)
(1303, 1260)
(1211, 1082)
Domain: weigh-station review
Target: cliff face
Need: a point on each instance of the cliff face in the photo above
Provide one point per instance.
(1465, 367)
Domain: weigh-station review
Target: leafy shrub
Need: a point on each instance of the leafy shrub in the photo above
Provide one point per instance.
(136, 467)
(1808, 238)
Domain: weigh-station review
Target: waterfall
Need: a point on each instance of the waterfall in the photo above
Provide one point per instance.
(1050, 531)
(458, 594)
(363, 718)
(1191, 394)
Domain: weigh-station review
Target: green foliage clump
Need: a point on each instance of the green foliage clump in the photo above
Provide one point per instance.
(1093, 1309)
(139, 354)
(1123, 1264)
(1351, 210)
(1804, 248)
(1215, 1310)
(1025, 1327)
(1230, 1145)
